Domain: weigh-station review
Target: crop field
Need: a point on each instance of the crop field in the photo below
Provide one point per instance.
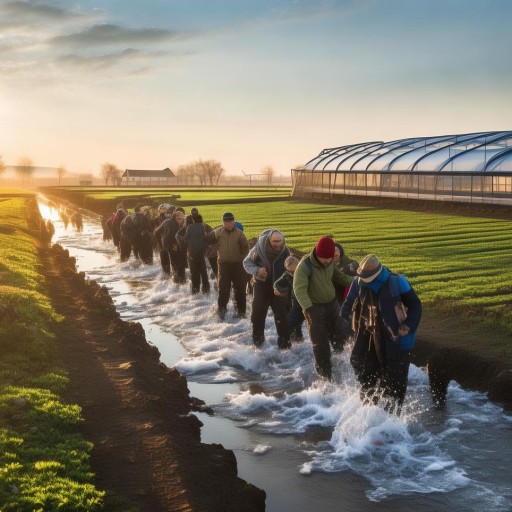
(44, 462)
(461, 262)
(186, 194)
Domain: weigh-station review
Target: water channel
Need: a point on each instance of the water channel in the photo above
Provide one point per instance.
(309, 444)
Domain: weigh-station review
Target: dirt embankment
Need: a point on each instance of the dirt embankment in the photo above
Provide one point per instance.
(147, 449)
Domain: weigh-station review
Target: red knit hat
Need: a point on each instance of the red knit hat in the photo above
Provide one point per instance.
(324, 248)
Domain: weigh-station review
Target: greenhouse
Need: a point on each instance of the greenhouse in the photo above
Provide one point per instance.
(473, 167)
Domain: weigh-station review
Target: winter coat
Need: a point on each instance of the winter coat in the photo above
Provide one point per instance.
(167, 232)
(193, 237)
(316, 286)
(134, 225)
(388, 296)
(232, 246)
(257, 258)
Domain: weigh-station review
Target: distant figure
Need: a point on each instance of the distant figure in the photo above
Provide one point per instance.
(50, 228)
(386, 313)
(77, 221)
(136, 235)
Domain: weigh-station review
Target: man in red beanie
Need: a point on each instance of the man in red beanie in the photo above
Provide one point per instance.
(314, 289)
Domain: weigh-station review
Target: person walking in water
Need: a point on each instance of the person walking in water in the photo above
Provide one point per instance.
(192, 236)
(232, 248)
(265, 262)
(385, 313)
(314, 290)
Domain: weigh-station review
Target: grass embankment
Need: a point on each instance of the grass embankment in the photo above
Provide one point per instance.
(186, 194)
(44, 460)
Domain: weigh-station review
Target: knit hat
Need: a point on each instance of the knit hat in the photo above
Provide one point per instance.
(370, 268)
(324, 248)
(227, 217)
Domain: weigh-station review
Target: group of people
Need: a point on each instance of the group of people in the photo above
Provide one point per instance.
(336, 297)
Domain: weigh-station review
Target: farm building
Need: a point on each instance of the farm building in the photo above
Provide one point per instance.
(137, 178)
(473, 167)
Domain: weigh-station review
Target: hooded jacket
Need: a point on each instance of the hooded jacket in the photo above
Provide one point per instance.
(257, 257)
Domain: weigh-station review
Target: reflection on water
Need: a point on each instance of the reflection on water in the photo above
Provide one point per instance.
(309, 444)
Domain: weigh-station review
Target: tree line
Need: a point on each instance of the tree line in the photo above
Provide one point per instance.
(207, 172)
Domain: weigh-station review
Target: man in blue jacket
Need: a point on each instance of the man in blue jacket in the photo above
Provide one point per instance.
(386, 313)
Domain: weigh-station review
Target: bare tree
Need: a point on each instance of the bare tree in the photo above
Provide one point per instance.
(25, 169)
(268, 171)
(2, 165)
(61, 172)
(208, 171)
(110, 172)
(186, 174)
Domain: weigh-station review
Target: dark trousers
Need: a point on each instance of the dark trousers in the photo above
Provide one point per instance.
(213, 264)
(232, 274)
(323, 326)
(385, 382)
(198, 273)
(295, 320)
(165, 262)
(178, 265)
(263, 298)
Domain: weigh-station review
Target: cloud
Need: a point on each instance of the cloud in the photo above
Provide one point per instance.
(41, 10)
(105, 34)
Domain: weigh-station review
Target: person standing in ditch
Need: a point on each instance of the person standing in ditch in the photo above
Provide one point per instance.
(232, 248)
(314, 289)
(265, 262)
(386, 313)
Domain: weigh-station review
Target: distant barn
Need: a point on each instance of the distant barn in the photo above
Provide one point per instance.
(141, 178)
(473, 167)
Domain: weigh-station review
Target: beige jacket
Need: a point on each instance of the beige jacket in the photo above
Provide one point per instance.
(232, 246)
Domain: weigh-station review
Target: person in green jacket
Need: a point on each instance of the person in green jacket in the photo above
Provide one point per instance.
(314, 289)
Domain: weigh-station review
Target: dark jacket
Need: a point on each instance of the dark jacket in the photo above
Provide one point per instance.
(383, 286)
(135, 225)
(192, 237)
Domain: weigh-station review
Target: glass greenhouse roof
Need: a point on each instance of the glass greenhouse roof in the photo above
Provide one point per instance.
(483, 152)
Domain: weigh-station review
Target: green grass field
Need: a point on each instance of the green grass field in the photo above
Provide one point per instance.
(44, 461)
(187, 194)
(453, 261)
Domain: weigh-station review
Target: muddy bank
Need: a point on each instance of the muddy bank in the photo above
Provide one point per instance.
(147, 449)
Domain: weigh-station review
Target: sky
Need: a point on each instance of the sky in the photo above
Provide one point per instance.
(160, 83)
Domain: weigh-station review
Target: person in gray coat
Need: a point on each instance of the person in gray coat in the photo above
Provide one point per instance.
(265, 262)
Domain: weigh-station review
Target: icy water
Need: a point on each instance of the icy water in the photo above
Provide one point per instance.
(309, 444)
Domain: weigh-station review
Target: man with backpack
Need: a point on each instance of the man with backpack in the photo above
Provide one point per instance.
(314, 289)
(386, 313)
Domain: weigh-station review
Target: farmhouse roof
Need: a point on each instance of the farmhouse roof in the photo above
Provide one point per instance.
(138, 173)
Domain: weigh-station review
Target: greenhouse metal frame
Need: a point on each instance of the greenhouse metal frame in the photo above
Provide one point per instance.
(472, 167)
